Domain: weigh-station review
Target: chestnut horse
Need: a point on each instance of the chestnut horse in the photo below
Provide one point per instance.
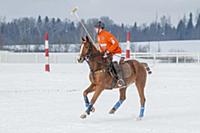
(101, 78)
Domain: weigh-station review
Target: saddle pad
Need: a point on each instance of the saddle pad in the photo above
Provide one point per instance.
(127, 70)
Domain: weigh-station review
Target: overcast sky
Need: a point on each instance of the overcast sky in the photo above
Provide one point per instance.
(126, 11)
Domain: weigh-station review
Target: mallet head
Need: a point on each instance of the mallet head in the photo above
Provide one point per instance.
(74, 10)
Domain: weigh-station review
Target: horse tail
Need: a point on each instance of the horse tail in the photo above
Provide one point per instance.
(146, 66)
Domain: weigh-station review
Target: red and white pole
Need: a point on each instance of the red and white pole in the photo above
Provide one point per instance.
(46, 37)
(128, 38)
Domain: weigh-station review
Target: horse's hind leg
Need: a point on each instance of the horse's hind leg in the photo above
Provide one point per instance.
(140, 84)
(122, 97)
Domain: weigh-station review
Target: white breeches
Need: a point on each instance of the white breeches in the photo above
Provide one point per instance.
(116, 58)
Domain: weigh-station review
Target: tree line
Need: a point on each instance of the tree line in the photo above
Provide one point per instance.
(25, 31)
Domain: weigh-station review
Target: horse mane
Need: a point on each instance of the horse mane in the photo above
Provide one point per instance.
(94, 48)
(93, 45)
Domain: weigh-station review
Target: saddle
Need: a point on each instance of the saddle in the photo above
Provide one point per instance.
(126, 69)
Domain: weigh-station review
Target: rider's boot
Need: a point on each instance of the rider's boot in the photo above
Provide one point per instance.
(118, 70)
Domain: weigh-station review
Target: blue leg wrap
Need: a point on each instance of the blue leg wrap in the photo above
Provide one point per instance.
(89, 108)
(118, 104)
(86, 101)
(141, 111)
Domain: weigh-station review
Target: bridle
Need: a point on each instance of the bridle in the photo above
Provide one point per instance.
(91, 56)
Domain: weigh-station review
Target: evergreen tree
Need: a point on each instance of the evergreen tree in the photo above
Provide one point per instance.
(46, 20)
(181, 30)
(39, 20)
(197, 27)
(190, 28)
(1, 41)
(31, 31)
(198, 22)
(134, 32)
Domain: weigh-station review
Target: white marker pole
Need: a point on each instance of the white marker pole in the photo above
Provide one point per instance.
(46, 37)
(128, 45)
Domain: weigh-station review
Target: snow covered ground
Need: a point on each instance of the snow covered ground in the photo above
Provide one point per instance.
(32, 101)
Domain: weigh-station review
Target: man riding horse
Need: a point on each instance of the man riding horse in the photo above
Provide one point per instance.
(110, 46)
(101, 78)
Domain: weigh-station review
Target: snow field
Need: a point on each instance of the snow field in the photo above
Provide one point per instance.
(33, 101)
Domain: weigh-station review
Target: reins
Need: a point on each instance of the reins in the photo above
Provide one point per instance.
(91, 56)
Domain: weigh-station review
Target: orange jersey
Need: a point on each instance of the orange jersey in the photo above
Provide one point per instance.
(108, 42)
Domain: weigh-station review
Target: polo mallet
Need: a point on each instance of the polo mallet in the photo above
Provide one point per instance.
(74, 12)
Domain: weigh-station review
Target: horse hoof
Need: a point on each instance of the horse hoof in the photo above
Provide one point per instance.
(93, 110)
(112, 111)
(150, 72)
(139, 118)
(83, 116)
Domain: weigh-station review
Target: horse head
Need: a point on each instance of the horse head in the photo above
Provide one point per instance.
(85, 50)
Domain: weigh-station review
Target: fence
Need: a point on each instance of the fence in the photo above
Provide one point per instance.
(170, 57)
(9, 57)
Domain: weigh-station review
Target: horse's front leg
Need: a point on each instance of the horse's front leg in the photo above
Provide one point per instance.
(98, 91)
(85, 93)
(122, 97)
